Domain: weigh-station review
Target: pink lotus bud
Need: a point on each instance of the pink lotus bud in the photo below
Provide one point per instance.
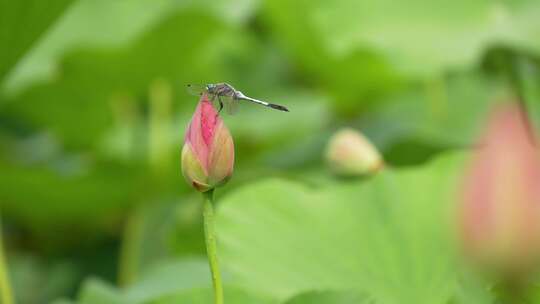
(349, 153)
(208, 153)
(500, 210)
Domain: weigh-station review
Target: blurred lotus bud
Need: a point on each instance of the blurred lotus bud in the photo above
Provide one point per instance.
(208, 153)
(349, 153)
(500, 208)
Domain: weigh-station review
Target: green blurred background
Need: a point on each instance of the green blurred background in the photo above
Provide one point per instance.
(93, 110)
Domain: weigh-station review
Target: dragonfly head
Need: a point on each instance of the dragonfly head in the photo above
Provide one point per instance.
(210, 88)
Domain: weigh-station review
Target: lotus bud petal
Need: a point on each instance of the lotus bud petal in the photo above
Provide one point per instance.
(500, 204)
(349, 153)
(208, 152)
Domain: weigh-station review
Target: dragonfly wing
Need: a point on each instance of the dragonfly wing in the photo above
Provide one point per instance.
(230, 104)
(196, 89)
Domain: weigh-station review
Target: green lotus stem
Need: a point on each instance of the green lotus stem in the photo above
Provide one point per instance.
(210, 239)
(6, 295)
(131, 247)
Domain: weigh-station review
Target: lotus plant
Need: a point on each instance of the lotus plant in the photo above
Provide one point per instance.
(207, 162)
(500, 202)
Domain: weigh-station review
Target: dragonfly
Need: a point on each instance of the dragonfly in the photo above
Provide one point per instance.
(228, 97)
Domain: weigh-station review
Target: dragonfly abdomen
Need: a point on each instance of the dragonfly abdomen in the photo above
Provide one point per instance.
(264, 103)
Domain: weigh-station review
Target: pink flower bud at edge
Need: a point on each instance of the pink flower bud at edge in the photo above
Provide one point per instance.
(500, 202)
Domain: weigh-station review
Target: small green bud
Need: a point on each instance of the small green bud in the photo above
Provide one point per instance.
(349, 153)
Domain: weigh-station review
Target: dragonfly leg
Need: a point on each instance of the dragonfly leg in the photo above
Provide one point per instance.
(213, 98)
(220, 104)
